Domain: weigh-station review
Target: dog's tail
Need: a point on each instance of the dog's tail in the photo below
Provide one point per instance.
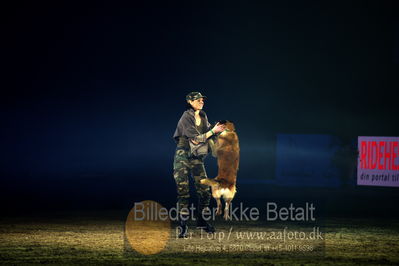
(209, 182)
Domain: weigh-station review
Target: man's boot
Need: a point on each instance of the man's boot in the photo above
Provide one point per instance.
(182, 226)
(202, 223)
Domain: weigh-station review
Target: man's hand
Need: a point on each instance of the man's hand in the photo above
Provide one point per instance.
(218, 128)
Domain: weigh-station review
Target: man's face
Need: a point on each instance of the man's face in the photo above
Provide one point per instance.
(197, 104)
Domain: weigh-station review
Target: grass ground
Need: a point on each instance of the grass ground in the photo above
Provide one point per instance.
(98, 238)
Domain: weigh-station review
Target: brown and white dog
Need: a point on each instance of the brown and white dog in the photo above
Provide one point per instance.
(228, 156)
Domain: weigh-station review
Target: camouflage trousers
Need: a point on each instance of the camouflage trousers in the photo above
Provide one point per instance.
(183, 165)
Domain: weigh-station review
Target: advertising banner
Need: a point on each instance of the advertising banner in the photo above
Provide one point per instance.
(378, 162)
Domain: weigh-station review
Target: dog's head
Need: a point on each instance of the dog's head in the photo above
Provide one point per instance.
(229, 125)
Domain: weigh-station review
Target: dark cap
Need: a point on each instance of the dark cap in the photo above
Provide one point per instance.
(194, 96)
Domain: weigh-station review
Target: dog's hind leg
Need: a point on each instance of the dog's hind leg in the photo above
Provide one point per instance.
(216, 194)
(219, 206)
(228, 197)
(226, 215)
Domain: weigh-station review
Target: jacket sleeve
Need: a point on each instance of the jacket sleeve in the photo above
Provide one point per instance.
(208, 125)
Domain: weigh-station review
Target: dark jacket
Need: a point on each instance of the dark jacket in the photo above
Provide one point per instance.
(186, 127)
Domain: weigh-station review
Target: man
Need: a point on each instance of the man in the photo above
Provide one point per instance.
(192, 134)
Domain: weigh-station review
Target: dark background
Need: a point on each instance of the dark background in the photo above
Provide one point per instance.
(92, 92)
